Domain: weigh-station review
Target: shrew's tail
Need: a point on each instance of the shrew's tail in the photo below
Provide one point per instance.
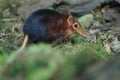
(23, 44)
(18, 52)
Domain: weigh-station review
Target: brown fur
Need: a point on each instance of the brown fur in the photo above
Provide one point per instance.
(61, 26)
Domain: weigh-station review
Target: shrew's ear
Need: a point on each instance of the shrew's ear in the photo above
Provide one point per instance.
(70, 19)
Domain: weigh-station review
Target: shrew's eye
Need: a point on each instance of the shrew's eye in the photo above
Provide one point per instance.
(75, 26)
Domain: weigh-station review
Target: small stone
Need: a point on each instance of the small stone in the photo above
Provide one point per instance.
(115, 46)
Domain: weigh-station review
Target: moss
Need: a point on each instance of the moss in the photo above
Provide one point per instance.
(66, 61)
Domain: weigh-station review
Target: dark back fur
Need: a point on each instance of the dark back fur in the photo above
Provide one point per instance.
(44, 25)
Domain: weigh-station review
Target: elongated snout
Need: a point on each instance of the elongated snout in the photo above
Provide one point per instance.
(82, 34)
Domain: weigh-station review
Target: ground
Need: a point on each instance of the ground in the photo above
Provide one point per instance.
(63, 61)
